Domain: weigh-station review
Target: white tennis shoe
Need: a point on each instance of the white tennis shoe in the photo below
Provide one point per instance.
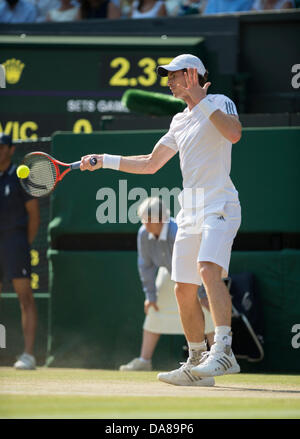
(216, 362)
(183, 377)
(25, 362)
(136, 364)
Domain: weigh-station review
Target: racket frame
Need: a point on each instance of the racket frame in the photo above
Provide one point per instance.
(59, 175)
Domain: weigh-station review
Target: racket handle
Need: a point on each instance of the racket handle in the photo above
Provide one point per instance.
(76, 165)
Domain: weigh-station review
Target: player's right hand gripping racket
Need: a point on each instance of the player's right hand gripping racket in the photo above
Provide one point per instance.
(45, 173)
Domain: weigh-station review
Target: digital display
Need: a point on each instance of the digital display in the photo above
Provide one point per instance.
(67, 84)
(134, 71)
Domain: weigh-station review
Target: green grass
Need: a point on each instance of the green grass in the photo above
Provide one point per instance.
(146, 407)
(246, 396)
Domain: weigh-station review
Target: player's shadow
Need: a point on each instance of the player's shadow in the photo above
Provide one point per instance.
(243, 389)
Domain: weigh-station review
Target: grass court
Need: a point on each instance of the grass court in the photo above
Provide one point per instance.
(104, 394)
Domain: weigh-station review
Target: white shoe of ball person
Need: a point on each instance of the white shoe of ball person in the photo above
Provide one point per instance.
(216, 362)
(25, 362)
(137, 364)
(183, 377)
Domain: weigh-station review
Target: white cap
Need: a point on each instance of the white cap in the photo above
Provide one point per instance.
(153, 210)
(182, 62)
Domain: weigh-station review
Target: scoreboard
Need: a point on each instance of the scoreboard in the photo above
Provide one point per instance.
(67, 83)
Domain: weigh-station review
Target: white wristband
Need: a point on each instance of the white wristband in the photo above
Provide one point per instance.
(111, 161)
(207, 107)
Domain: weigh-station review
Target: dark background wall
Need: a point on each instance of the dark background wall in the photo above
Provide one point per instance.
(250, 57)
(65, 85)
(95, 287)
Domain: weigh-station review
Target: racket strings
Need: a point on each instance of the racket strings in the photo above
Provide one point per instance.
(42, 177)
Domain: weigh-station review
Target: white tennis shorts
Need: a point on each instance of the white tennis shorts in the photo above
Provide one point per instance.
(211, 241)
(167, 320)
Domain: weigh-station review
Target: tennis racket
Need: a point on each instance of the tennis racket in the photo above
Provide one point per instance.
(46, 173)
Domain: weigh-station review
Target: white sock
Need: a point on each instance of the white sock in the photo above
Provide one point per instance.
(223, 336)
(195, 350)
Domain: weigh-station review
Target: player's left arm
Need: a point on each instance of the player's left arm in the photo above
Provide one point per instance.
(221, 113)
(33, 211)
(228, 125)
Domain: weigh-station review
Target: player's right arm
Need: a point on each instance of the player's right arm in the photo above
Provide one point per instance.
(141, 164)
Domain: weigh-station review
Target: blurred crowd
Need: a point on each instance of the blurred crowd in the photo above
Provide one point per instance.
(30, 11)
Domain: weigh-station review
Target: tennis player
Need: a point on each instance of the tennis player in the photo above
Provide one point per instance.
(203, 135)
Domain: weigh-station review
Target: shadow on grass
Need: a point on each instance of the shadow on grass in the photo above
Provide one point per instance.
(244, 389)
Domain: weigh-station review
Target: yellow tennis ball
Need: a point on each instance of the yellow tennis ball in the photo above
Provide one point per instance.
(23, 171)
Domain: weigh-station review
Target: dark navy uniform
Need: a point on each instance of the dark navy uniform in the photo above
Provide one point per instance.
(14, 246)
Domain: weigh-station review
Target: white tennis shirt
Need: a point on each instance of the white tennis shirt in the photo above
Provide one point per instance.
(205, 154)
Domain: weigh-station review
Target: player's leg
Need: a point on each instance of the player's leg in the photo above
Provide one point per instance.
(196, 320)
(218, 295)
(219, 301)
(190, 311)
(187, 278)
(192, 320)
(187, 281)
(29, 321)
(213, 259)
(220, 360)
